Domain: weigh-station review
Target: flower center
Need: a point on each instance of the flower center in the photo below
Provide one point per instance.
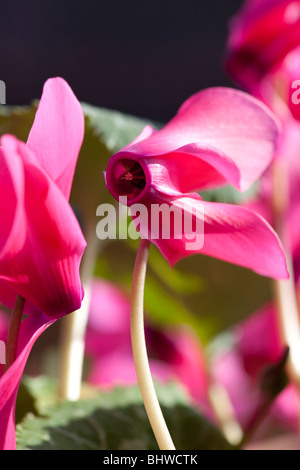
(135, 176)
(129, 178)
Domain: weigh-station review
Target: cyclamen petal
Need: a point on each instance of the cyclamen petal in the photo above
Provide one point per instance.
(219, 135)
(57, 133)
(41, 255)
(230, 233)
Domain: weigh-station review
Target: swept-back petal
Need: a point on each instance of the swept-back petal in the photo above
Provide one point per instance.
(44, 269)
(57, 132)
(228, 232)
(219, 135)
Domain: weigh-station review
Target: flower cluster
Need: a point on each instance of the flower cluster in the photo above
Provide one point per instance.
(219, 136)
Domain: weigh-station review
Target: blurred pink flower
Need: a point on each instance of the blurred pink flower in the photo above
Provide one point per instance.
(261, 35)
(263, 55)
(41, 243)
(287, 159)
(173, 354)
(280, 88)
(208, 143)
(255, 345)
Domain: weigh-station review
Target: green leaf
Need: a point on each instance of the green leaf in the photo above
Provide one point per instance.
(230, 195)
(117, 421)
(113, 128)
(25, 403)
(42, 390)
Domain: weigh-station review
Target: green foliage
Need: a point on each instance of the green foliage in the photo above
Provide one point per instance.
(115, 129)
(117, 421)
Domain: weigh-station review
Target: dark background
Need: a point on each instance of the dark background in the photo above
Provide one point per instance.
(140, 57)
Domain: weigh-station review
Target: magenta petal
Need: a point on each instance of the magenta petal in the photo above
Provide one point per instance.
(57, 132)
(12, 183)
(42, 262)
(256, 354)
(219, 135)
(242, 237)
(113, 369)
(31, 328)
(231, 233)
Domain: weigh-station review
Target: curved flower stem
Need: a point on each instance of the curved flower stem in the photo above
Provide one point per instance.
(13, 332)
(139, 350)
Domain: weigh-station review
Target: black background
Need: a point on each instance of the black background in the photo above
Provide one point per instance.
(140, 57)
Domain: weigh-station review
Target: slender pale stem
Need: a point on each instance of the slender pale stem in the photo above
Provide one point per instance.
(13, 332)
(74, 328)
(224, 413)
(72, 349)
(139, 350)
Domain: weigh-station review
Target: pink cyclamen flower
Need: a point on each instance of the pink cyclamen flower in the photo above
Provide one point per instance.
(218, 136)
(243, 361)
(41, 243)
(173, 355)
(261, 35)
